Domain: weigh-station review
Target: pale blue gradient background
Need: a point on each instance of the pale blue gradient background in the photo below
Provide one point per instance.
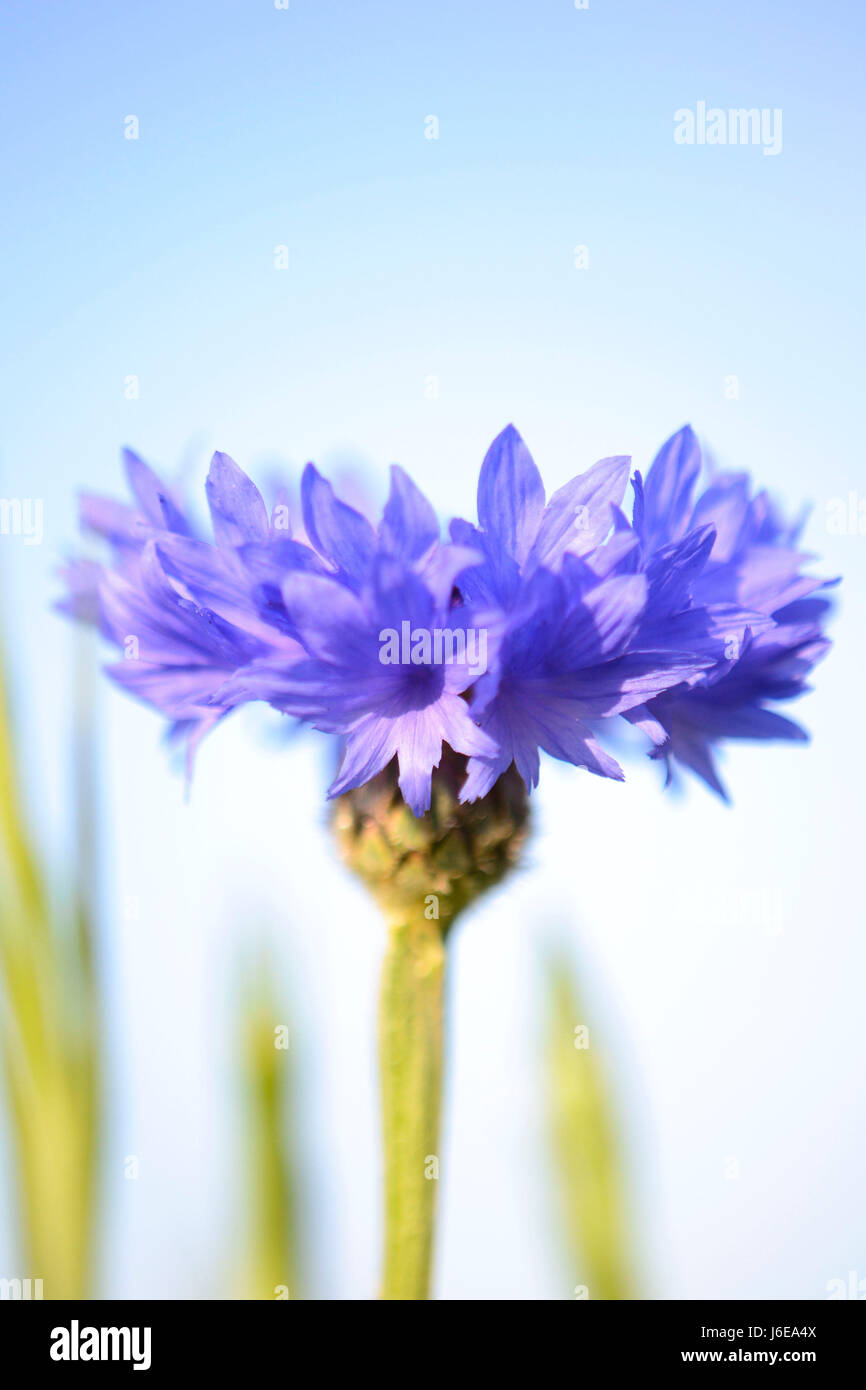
(722, 950)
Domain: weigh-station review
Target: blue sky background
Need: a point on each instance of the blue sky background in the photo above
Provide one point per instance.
(722, 949)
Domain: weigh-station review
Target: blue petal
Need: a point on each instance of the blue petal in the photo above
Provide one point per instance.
(120, 524)
(339, 533)
(599, 627)
(492, 577)
(400, 595)
(510, 495)
(237, 507)
(330, 619)
(442, 568)
(409, 525)
(580, 514)
(153, 498)
(667, 492)
(672, 571)
(369, 748)
(725, 504)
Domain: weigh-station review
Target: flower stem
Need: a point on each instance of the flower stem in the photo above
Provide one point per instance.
(423, 871)
(410, 1054)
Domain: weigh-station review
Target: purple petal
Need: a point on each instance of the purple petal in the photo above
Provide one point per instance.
(600, 627)
(369, 748)
(441, 569)
(400, 595)
(153, 497)
(695, 752)
(672, 571)
(237, 508)
(178, 691)
(667, 492)
(338, 532)
(603, 691)
(117, 522)
(331, 620)
(725, 505)
(409, 525)
(641, 717)
(420, 737)
(579, 516)
(529, 717)
(510, 495)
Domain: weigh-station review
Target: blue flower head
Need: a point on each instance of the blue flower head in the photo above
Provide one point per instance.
(572, 653)
(529, 631)
(755, 570)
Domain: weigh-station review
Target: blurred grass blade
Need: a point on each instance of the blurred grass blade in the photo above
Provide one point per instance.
(87, 1082)
(50, 1045)
(17, 856)
(589, 1174)
(271, 1260)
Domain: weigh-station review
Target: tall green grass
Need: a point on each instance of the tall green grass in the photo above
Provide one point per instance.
(589, 1175)
(270, 1265)
(49, 1029)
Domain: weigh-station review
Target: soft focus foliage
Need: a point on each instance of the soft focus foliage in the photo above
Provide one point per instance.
(270, 1264)
(590, 1185)
(50, 1043)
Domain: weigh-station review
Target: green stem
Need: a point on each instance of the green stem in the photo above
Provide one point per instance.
(410, 1055)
